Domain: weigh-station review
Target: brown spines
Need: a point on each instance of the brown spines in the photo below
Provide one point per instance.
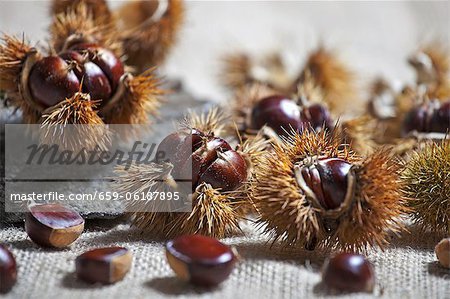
(98, 8)
(240, 71)
(13, 53)
(138, 98)
(377, 206)
(284, 211)
(16, 59)
(78, 24)
(78, 110)
(360, 134)
(150, 29)
(426, 181)
(333, 77)
(214, 212)
(288, 215)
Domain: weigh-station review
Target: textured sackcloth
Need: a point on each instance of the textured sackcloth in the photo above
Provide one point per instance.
(406, 269)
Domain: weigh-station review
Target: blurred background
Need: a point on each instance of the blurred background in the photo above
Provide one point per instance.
(373, 37)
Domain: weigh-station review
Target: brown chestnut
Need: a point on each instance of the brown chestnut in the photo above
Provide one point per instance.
(328, 180)
(106, 60)
(316, 117)
(279, 113)
(206, 158)
(104, 265)
(432, 116)
(8, 270)
(442, 251)
(349, 273)
(200, 260)
(53, 225)
(51, 81)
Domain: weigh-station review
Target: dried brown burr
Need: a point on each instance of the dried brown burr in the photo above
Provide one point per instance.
(220, 179)
(85, 59)
(312, 191)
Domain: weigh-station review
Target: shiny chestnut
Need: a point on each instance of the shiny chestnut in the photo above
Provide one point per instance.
(283, 115)
(86, 67)
(200, 260)
(429, 117)
(53, 225)
(349, 273)
(327, 179)
(104, 265)
(8, 270)
(205, 159)
(277, 112)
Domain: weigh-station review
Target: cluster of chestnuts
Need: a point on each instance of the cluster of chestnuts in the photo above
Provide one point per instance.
(219, 176)
(282, 115)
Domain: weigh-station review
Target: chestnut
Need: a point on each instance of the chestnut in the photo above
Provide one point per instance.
(432, 116)
(349, 273)
(8, 270)
(327, 179)
(103, 265)
(204, 158)
(283, 114)
(278, 112)
(51, 81)
(442, 251)
(106, 60)
(53, 225)
(200, 260)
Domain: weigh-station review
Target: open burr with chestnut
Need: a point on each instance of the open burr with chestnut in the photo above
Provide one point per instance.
(219, 175)
(312, 191)
(81, 81)
(323, 69)
(148, 29)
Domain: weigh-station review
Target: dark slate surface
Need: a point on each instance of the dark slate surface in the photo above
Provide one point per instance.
(176, 106)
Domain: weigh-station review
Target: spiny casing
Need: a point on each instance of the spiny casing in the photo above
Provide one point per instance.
(426, 181)
(288, 215)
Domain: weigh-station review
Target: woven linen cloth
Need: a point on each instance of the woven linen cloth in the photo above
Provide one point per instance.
(406, 269)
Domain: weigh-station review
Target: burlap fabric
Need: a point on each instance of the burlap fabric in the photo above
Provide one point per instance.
(407, 269)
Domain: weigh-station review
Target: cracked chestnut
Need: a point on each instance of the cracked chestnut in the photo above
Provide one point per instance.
(8, 270)
(429, 117)
(86, 67)
(53, 225)
(205, 158)
(348, 272)
(200, 260)
(104, 265)
(327, 179)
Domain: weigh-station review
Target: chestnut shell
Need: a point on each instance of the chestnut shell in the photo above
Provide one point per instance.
(328, 179)
(205, 159)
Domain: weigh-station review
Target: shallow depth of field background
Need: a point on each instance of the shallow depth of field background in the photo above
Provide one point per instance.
(375, 37)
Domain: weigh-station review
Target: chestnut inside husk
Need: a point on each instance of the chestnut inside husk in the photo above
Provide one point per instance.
(204, 158)
(85, 67)
(325, 181)
(283, 115)
(429, 117)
